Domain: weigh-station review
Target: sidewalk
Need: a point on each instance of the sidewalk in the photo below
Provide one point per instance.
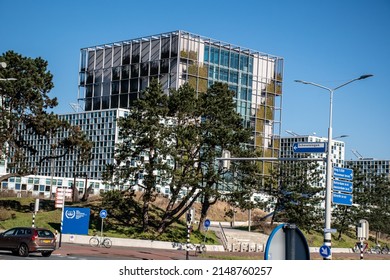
(137, 243)
(246, 238)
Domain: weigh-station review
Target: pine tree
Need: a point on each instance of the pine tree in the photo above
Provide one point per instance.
(297, 194)
(25, 110)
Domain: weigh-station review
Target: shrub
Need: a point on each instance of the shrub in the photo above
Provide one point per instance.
(5, 214)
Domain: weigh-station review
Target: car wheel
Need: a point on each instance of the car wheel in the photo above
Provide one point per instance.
(23, 250)
(46, 253)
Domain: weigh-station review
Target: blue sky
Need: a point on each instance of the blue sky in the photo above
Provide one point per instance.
(326, 42)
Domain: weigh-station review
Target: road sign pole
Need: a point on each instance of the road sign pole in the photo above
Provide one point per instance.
(103, 215)
(188, 241)
(101, 229)
(62, 215)
(329, 183)
(289, 230)
(206, 224)
(328, 196)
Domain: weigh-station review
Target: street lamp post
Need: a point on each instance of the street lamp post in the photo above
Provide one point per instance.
(328, 193)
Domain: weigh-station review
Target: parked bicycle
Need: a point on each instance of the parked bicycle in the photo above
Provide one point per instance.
(99, 241)
(200, 248)
(385, 250)
(377, 249)
(197, 248)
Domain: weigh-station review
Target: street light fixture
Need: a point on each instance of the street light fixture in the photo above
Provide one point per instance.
(328, 194)
(341, 136)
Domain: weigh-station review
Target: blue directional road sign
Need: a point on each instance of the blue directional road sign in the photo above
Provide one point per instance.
(325, 251)
(103, 214)
(342, 186)
(343, 173)
(309, 147)
(207, 223)
(342, 198)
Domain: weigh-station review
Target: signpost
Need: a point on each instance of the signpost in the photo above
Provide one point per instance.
(342, 198)
(207, 224)
(103, 215)
(325, 251)
(342, 186)
(343, 173)
(331, 230)
(62, 194)
(309, 147)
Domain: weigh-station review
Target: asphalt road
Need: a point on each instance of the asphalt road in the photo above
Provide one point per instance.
(71, 251)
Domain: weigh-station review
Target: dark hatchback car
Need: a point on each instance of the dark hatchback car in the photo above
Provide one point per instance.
(25, 240)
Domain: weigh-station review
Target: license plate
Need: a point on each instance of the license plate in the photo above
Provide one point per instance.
(46, 241)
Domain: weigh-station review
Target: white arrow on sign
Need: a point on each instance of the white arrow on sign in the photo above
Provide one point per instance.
(325, 251)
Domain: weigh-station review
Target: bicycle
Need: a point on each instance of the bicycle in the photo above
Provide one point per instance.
(97, 241)
(200, 248)
(385, 250)
(377, 249)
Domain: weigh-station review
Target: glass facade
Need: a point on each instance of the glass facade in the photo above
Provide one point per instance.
(112, 76)
(99, 126)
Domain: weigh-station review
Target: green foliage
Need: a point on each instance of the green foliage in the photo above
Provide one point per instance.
(24, 111)
(122, 207)
(298, 200)
(173, 141)
(371, 193)
(373, 196)
(222, 129)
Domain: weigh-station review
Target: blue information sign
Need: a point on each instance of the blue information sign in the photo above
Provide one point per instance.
(342, 186)
(103, 214)
(309, 147)
(325, 251)
(76, 220)
(343, 173)
(342, 198)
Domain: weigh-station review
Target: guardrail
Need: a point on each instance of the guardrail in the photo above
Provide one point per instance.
(224, 239)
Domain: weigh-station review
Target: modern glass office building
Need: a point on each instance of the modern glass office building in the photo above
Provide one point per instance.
(113, 75)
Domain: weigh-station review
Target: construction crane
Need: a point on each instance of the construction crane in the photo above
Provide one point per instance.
(292, 133)
(357, 154)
